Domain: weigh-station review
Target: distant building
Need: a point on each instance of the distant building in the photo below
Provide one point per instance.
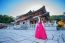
(29, 17)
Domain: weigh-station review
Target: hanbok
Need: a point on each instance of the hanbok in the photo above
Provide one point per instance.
(40, 32)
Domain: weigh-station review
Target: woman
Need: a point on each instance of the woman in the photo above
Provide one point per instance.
(40, 31)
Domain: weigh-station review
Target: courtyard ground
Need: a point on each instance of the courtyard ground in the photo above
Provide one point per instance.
(28, 36)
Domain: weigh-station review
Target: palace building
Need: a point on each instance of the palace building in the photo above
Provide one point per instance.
(30, 17)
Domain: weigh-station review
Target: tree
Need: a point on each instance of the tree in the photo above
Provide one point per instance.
(6, 19)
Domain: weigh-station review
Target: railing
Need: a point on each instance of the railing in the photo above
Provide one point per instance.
(32, 26)
(47, 26)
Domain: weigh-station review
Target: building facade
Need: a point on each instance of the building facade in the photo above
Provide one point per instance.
(31, 16)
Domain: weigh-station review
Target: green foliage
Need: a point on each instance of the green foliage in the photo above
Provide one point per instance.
(6, 19)
(52, 17)
(56, 17)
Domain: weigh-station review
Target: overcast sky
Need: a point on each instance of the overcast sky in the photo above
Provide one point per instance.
(19, 7)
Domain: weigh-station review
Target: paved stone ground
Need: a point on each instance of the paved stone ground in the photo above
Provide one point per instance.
(27, 36)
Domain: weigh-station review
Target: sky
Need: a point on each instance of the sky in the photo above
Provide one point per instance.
(19, 7)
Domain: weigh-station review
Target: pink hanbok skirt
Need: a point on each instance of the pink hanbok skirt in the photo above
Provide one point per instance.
(40, 32)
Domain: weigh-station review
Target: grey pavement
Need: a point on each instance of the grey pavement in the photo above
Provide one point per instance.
(27, 36)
